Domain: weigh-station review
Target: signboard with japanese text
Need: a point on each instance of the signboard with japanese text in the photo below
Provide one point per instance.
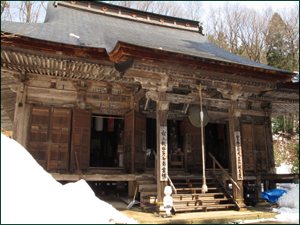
(238, 152)
(188, 143)
(163, 153)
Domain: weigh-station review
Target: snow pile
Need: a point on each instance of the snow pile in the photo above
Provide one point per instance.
(289, 205)
(290, 215)
(30, 195)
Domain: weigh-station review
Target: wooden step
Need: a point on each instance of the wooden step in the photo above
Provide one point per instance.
(149, 208)
(195, 184)
(147, 187)
(196, 189)
(202, 207)
(148, 193)
(199, 195)
(202, 200)
(150, 199)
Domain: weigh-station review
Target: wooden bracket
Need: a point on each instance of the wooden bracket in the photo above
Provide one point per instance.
(147, 103)
(185, 108)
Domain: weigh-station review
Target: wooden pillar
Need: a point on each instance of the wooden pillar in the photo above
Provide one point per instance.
(266, 185)
(234, 125)
(20, 112)
(258, 183)
(161, 120)
(272, 184)
(269, 137)
(296, 179)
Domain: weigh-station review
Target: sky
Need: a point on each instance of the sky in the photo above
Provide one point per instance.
(276, 5)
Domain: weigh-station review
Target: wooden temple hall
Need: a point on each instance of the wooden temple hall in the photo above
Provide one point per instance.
(110, 94)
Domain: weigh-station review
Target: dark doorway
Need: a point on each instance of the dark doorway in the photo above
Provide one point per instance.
(106, 142)
(150, 142)
(215, 140)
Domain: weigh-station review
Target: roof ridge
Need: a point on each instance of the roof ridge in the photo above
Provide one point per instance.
(132, 14)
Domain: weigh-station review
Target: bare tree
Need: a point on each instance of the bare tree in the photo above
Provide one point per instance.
(29, 11)
(4, 6)
(129, 4)
(190, 10)
(217, 28)
(5, 10)
(291, 18)
(194, 10)
(251, 34)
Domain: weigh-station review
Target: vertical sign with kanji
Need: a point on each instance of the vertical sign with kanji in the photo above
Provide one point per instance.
(188, 143)
(238, 152)
(163, 153)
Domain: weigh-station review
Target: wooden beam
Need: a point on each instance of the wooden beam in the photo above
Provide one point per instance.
(253, 112)
(190, 99)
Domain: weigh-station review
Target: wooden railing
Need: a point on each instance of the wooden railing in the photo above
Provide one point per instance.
(225, 174)
(169, 179)
(172, 185)
(155, 167)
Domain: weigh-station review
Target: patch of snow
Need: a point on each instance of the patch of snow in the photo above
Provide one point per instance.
(288, 210)
(283, 169)
(30, 195)
(290, 215)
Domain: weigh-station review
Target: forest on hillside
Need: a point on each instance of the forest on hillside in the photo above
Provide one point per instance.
(265, 36)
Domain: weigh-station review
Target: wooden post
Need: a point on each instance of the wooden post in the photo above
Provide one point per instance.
(266, 185)
(258, 183)
(19, 117)
(234, 125)
(161, 120)
(272, 184)
(269, 137)
(296, 179)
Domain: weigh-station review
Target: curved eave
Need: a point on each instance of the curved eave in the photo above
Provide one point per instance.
(54, 47)
(122, 51)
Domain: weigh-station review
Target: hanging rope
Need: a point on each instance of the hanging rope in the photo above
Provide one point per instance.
(204, 187)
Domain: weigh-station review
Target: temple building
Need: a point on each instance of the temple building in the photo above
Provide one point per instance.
(106, 93)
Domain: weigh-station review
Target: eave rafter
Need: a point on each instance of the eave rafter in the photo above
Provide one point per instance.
(55, 48)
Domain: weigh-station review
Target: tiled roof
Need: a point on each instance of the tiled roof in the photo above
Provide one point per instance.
(73, 26)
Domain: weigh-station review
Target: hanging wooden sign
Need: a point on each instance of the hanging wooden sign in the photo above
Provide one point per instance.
(238, 152)
(163, 153)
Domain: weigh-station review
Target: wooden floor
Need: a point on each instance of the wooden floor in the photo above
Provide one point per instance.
(94, 177)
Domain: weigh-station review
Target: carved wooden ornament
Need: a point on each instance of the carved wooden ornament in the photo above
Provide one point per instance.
(164, 106)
